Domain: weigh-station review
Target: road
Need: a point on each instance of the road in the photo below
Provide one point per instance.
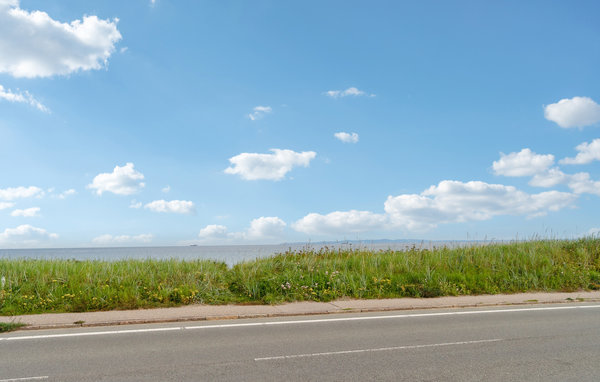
(537, 343)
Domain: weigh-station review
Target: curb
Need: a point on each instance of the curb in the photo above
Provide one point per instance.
(290, 314)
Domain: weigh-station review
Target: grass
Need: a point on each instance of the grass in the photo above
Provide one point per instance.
(37, 286)
(10, 326)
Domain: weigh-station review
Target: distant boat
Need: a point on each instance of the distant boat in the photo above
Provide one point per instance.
(193, 245)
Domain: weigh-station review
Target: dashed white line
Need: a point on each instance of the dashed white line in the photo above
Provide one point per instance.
(374, 350)
(295, 322)
(25, 379)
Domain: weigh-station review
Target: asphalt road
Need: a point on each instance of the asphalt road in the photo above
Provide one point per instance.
(532, 343)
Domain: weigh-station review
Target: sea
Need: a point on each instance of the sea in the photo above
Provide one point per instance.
(230, 254)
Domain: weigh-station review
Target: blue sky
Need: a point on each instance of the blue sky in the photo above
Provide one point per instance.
(234, 122)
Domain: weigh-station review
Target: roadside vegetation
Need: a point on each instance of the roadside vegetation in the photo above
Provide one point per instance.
(10, 326)
(37, 286)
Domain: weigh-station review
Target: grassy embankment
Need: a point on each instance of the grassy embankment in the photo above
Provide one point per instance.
(36, 286)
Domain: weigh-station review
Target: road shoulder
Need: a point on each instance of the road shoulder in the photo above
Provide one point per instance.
(219, 312)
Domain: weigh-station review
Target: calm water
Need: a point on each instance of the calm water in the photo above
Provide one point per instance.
(230, 254)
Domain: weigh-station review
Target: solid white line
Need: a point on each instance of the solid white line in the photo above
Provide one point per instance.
(459, 313)
(83, 334)
(374, 350)
(294, 322)
(24, 379)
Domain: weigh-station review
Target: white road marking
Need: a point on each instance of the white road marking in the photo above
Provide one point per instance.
(459, 313)
(374, 350)
(24, 379)
(83, 334)
(294, 322)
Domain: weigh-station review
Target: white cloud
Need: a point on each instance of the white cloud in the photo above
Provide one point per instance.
(581, 183)
(13, 193)
(253, 166)
(341, 222)
(265, 228)
(5, 205)
(21, 97)
(122, 181)
(448, 202)
(352, 91)
(166, 189)
(455, 201)
(593, 232)
(549, 178)
(27, 212)
(135, 204)
(173, 206)
(574, 112)
(66, 194)
(122, 239)
(528, 163)
(35, 45)
(523, 163)
(587, 152)
(346, 137)
(259, 111)
(25, 235)
(213, 231)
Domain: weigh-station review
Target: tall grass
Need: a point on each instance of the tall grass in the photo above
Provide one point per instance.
(34, 286)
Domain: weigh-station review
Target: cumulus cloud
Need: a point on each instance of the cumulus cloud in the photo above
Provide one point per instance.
(21, 97)
(549, 178)
(528, 163)
(574, 112)
(587, 152)
(173, 206)
(341, 222)
(254, 166)
(35, 45)
(65, 194)
(122, 181)
(581, 183)
(263, 228)
(352, 91)
(213, 231)
(523, 163)
(27, 212)
(25, 235)
(13, 193)
(5, 205)
(346, 137)
(448, 202)
(455, 201)
(593, 232)
(259, 111)
(135, 204)
(122, 239)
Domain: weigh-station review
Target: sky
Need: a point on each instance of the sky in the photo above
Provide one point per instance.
(150, 123)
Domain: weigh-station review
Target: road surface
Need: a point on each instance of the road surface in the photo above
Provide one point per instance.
(535, 343)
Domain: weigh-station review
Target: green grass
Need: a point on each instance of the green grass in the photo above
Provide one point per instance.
(35, 286)
(10, 326)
